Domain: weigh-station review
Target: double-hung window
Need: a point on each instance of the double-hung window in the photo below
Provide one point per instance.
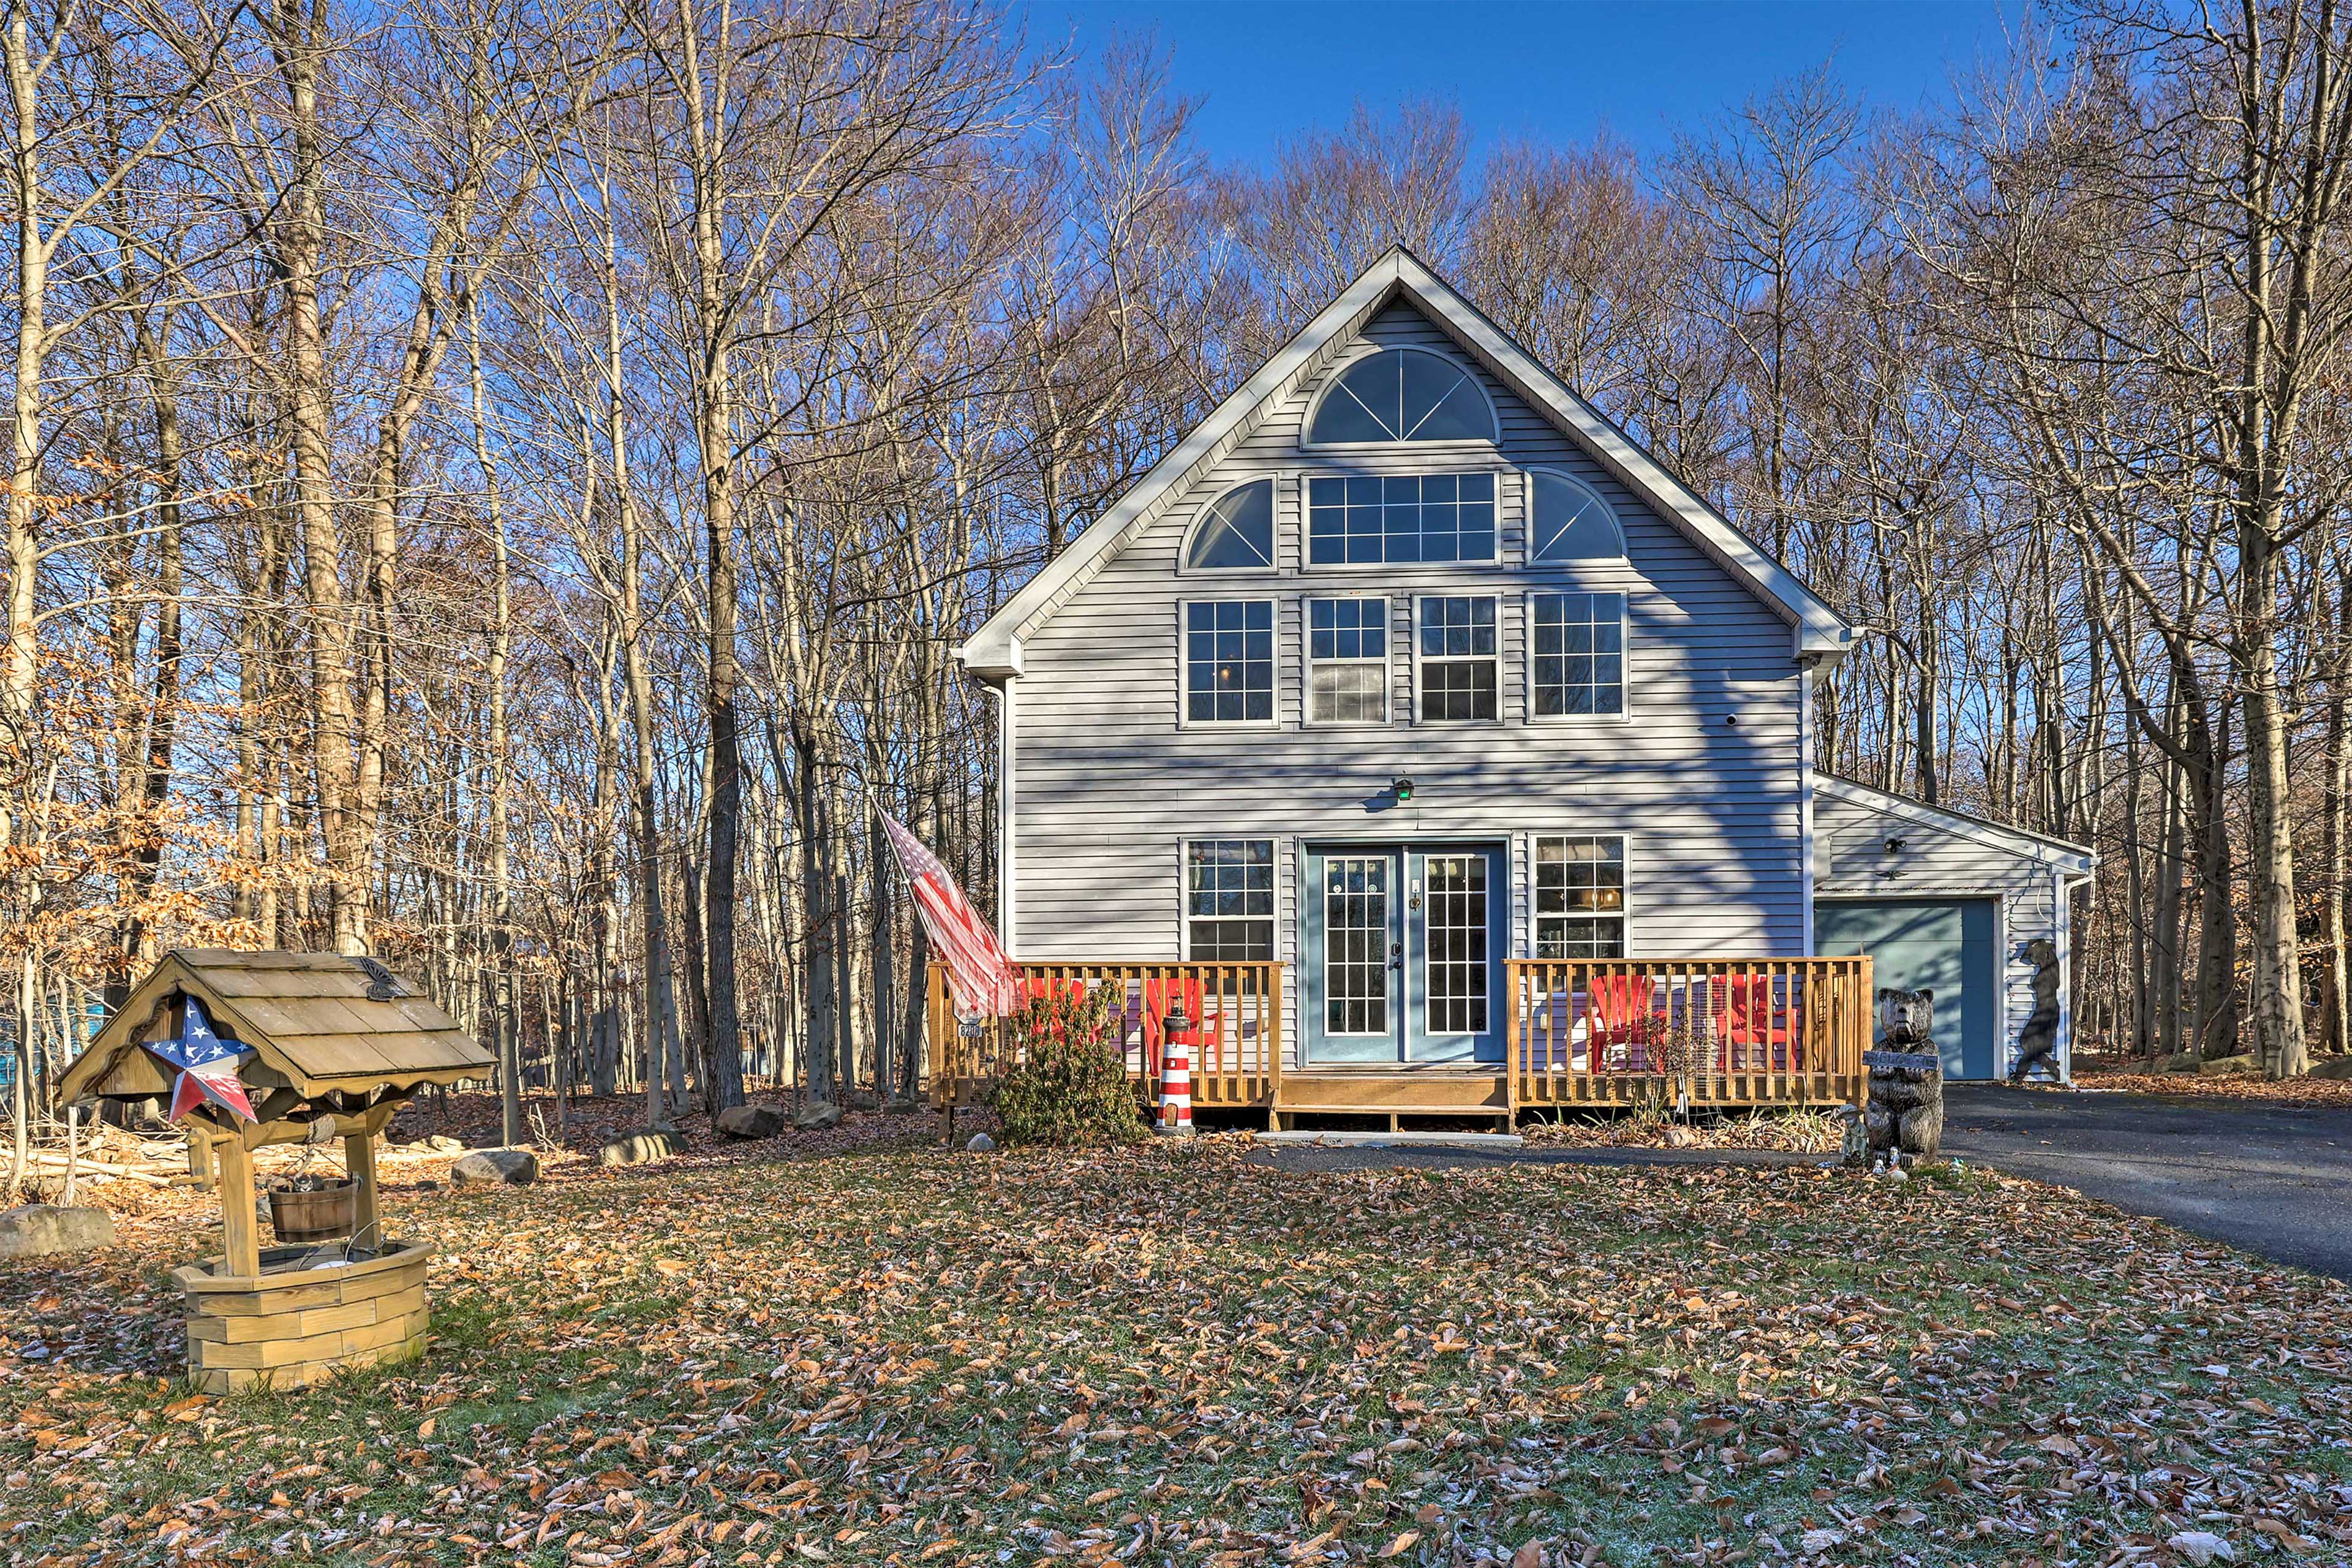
(1581, 897)
(1229, 662)
(1580, 655)
(1402, 518)
(1229, 900)
(1460, 676)
(1347, 661)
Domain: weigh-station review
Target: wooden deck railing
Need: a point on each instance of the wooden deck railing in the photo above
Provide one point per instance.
(1237, 1006)
(1740, 1031)
(1761, 1031)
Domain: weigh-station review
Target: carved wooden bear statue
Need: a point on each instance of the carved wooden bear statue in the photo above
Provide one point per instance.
(1906, 1114)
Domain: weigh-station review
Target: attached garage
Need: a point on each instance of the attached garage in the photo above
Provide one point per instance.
(1944, 945)
(1953, 904)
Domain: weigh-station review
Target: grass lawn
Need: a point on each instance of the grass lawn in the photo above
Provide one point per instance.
(896, 1355)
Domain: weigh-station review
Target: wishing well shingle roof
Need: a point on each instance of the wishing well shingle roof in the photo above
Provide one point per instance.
(318, 1021)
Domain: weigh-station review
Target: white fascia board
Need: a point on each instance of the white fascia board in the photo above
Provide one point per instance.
(1820, 630)
(2073, 860)
(993, 652)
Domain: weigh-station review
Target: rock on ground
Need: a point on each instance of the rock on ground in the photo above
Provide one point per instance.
(982, 1144)
(37, 1230)
(641, 1148)
(494, 1167)
(2222, 1066)
(817, 1115)
(753, 1121)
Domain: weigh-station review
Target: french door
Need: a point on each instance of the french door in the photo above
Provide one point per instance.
(1405, 953)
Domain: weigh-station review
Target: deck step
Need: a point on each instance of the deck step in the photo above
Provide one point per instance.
(1396, 1140)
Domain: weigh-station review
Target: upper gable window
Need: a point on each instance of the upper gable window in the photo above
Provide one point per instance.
(1402, 518)
(1572, 523)
(1238, 533)
(1402, 395)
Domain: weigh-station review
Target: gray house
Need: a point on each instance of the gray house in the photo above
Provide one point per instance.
(1446, 753)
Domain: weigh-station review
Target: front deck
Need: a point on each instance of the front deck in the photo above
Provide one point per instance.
(1583, 1033)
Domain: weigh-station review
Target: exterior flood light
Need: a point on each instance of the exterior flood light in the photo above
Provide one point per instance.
(1401, 788)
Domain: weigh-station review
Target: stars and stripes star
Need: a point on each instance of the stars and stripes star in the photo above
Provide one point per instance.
(206, 1064)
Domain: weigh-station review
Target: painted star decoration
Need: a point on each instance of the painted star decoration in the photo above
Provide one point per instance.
(207, 1066)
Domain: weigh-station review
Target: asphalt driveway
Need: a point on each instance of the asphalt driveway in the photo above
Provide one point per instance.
(2273, 1179)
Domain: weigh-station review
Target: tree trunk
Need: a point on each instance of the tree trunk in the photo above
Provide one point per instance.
(2269, 825)
(822, 1011)
(2334, 855)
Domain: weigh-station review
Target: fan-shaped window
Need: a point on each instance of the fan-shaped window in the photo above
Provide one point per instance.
(1402, 394)
(1237, 531)
(1571, 523)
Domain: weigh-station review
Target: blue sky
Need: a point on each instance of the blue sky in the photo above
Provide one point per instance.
(1557, 71)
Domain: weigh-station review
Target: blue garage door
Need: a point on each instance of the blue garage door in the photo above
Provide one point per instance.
(1945, 945)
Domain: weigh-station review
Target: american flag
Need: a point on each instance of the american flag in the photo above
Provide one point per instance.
(207, 1066)
(979, 974)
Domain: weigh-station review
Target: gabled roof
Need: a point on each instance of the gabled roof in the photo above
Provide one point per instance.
(994, 652)
(2074, 859)
(317, 1021)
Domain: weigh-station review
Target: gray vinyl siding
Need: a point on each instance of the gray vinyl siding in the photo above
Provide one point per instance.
(1851, 861)
(1108, 782)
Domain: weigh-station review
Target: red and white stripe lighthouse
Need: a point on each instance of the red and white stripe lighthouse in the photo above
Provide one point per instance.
(1176, 1073)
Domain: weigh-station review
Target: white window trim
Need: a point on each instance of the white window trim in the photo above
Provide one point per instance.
(1624, 715)
(1273, 543)
(1502, 706)
(1184, 719)
(1184, 916)
(1332, 377)
(1528, 537)
(1535, 849)
(1308, 661)
(1308, 566)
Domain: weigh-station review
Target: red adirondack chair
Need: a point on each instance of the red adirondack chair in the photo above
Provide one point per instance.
(1752, 1033)
(1618, 1009)
(1158, 996)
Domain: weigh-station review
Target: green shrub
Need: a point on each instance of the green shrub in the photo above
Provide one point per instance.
(1071, 1088)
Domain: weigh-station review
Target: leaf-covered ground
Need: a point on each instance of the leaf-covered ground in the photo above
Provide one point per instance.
(878, 1352)
(2335, 1092)
(1792, 1132)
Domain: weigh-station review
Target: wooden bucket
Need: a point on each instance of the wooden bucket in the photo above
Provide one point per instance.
(319, 1216)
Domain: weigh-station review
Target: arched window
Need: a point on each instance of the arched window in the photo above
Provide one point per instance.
(1402, 395)
(1237, 531)
(1571, 523)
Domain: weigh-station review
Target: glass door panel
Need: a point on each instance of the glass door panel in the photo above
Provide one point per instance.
(1355, 1003)
(1455, 902)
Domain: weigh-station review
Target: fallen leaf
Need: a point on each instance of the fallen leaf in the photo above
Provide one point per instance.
(2202, 1546)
